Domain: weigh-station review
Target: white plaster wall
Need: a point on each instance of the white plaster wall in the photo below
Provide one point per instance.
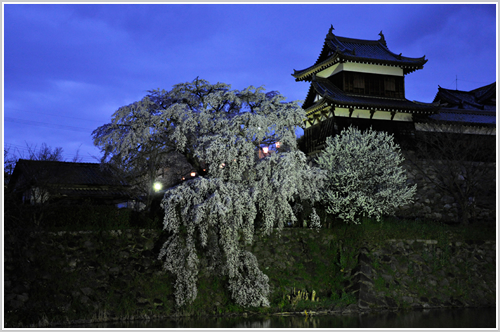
(362, 114)
(378, 115)
(341, 112)
(365, 114)
(362, 68)
(403, 117)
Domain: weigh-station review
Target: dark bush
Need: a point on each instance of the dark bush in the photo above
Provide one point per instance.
(83, 216)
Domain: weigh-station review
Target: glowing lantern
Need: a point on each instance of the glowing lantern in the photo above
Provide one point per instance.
(265, 149)
(278, 144)
(193, 174)
(157, 186)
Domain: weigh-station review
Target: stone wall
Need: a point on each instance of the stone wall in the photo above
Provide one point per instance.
(420, 275)
(87, 277)
(433, 203)
(80, 276)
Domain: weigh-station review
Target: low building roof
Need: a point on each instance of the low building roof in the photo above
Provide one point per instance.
(475, 107)
(68, 178)
(482, 98)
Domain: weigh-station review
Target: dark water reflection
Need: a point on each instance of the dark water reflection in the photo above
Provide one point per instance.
(445, 318)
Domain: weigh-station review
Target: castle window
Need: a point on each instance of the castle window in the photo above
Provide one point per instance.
(359, 81)
(369, 84)
(354, 82)
(390, 84)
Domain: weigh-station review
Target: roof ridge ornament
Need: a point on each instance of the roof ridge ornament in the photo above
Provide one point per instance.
(382, 38)
(330, 30)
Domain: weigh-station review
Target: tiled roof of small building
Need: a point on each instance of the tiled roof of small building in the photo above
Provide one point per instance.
(485, 92)
(474, 99)
(473, 107)
(340, 49)
(59, 172)
(339, 98)
(68, 178)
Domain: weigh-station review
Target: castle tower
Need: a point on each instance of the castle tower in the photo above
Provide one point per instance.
(361, 83)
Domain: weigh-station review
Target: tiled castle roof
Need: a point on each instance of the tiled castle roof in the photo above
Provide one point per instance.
(335, 96)
(340, 49)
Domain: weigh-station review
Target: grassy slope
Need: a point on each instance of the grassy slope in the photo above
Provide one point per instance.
(323, 261)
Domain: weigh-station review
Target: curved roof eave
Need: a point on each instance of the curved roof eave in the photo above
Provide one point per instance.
(339, 51)
(333, 95)
(317, 106)
(306, 74)
(384, 108)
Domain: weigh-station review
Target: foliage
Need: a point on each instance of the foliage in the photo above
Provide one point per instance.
(298, 295)
(9, 162)
(57, 216)
(365, 176)
(220, 132)
(343, 299)
(135, 144)
(347, 256)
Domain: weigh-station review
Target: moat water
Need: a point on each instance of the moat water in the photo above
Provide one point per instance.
(435, 318)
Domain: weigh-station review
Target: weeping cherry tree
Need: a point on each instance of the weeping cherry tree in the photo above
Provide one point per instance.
(213, 216)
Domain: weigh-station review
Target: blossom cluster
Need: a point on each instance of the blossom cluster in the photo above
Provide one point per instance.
(365, 175)
(216, 214)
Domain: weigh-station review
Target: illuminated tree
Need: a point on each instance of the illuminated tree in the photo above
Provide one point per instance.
(135, 144)
(365, 175)
(220, 132)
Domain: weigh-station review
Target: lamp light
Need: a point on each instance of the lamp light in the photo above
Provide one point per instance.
(278, 144)
(265, 149)
(157, 186)
(193, 174)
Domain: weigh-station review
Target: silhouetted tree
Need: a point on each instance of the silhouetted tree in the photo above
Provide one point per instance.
(457, 163)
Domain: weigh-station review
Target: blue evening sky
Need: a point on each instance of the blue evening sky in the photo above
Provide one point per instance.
(68, 67)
